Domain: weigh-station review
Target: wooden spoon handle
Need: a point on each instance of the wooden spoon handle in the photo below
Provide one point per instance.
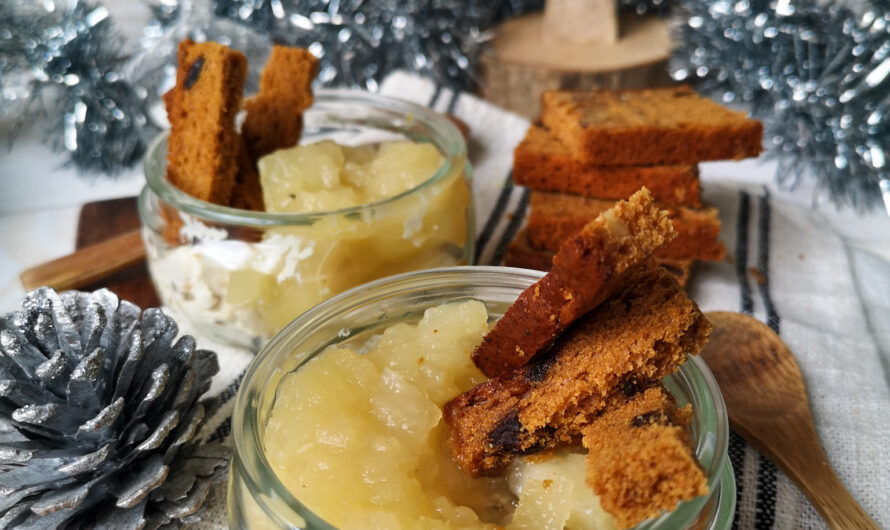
(88, 264)
(833, 502)
(831, 499)
(795, 449)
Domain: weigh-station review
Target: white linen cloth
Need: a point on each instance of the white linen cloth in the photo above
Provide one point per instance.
(829, 296)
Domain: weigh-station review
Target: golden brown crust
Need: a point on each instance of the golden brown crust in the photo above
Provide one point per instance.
(202, 148)
(640, 334)
(670, 125)
(640, 459)
(275, 115)
(586, 270)
(542, 162)
(520, 253)
(248, 192)
(555, 217)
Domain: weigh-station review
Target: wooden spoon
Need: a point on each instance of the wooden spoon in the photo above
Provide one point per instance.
(88, 264)
(767, 404)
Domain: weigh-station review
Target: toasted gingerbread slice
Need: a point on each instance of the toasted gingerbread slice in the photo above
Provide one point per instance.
(541, 162)
(520, 253)
(640, 458)
(586, 270)
(275, 114)
(652, 126)
(247, 193)
(555, 217)
(640, 334)
(203, 145)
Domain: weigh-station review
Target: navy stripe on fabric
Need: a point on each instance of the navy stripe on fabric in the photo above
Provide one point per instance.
(455, 95)
(435, 96)
(741, 253)
(232, 389)
(736, 452)
(512, 228)
(223, 430)
(495, 216)
(225, 427)
(765, 503)
(763, 222)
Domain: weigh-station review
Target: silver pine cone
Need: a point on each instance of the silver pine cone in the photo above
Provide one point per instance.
(99, 410)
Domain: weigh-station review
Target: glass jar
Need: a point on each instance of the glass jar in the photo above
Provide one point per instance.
(256, 497)
(239, 276)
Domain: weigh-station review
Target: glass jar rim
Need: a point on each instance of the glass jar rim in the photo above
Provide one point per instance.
(450, 140)
(246, 412)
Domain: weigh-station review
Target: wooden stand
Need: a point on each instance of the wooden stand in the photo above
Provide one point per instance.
(535, 53)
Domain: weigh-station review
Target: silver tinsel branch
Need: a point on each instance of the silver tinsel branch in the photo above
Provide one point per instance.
(817, 75)
(641, 7)
(358, 42)
(100, 415)
(62, 61)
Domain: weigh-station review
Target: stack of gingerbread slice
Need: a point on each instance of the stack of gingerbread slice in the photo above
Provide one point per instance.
(592, 148)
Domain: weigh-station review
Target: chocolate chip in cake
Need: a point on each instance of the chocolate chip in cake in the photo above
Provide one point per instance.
(506, 433)
(649, 418)
(630, 387)
(194, 72)
(537, 370)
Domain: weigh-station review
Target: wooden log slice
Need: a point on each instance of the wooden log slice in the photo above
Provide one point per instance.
(522, 62)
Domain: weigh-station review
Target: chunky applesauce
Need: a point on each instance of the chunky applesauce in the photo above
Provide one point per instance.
(326, 176)
(357, 436)
(249, 289)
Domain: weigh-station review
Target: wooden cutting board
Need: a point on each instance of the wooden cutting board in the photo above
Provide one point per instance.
(103, 220)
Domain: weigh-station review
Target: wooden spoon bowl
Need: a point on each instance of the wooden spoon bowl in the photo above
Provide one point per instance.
(766, 401)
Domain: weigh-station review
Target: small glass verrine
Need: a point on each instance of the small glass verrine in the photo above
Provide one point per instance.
(257, 498)
(239, 276)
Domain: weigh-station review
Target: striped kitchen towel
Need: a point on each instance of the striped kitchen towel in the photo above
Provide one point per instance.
(827, 299)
